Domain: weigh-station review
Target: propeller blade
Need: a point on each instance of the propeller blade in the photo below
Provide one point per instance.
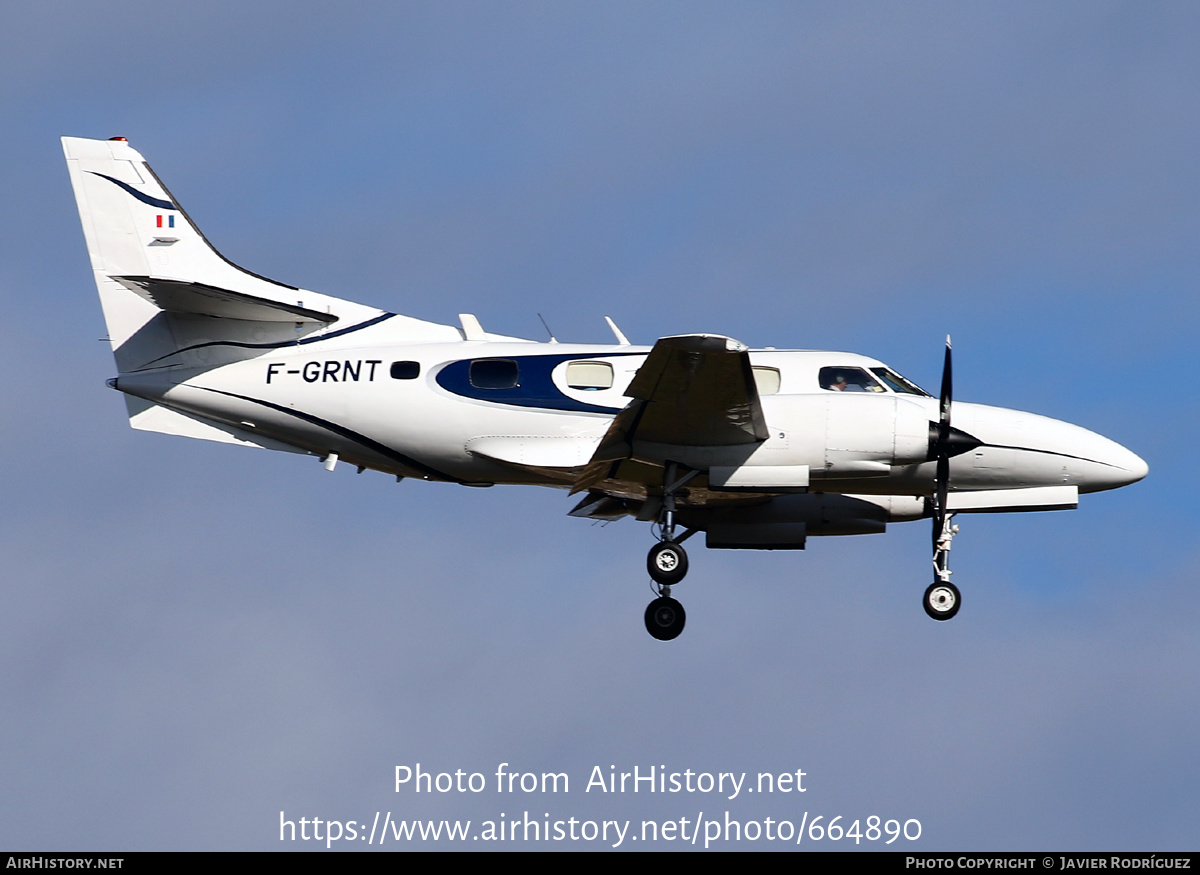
(941, 488)
(947, 393)
(941, 480)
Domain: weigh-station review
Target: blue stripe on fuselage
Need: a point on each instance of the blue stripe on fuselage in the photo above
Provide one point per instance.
(535, 387)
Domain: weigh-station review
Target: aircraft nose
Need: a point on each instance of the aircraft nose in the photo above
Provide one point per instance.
(1038, 451)
(1090, 460)
(1124, 467)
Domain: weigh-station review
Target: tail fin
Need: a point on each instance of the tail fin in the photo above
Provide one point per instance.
(159, 278)
(171, 300)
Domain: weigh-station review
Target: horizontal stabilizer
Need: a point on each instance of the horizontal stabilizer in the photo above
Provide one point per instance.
(148, 258)
(175, 296)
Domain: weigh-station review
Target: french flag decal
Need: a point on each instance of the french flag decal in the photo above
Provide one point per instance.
(170, 221)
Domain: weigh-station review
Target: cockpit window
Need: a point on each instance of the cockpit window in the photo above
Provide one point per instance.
(848, 380)
(898, 383)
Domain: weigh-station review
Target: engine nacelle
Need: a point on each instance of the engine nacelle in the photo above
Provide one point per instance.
(784, 522)
(836, 434)
(867, 434)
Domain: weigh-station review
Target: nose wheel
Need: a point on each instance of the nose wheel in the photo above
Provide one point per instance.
(942, 600)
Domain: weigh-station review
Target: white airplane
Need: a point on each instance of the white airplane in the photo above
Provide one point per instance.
(758, 449)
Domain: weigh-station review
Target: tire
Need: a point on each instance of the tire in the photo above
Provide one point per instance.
(942, 600)
(665, 618)
(667, 563)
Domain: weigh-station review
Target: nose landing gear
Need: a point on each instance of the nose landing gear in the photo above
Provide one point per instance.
(942, 598)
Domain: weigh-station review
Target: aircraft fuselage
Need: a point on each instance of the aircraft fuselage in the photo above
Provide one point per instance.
(413, 410)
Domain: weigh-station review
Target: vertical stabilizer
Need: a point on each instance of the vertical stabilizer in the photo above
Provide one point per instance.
(120, 209)
(162, 284)
(171, 299)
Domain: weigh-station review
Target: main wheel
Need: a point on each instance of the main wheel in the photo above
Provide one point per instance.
(942, 600)
(667, 563)
(665, 618)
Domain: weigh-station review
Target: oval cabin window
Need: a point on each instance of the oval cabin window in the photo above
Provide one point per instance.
(495, 374)
(590, 375)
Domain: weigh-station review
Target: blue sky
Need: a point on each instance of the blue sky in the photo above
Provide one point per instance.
(198, 637)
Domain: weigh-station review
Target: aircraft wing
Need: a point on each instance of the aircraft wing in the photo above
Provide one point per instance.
(695, 390)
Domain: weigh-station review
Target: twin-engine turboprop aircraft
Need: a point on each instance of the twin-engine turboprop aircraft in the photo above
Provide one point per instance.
(758, 449)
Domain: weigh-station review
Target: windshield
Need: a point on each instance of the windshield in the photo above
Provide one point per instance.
(847, 380)
(897, 383)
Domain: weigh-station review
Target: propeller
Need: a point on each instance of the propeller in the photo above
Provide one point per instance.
(945, 441)
(941, 449)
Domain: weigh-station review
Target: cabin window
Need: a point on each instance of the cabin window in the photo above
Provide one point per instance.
(495, 374)
(766, 380)
(405, 370)
(590, 376)
(848, 380)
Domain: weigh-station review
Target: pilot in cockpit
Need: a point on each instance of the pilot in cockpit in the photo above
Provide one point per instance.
(847, 380)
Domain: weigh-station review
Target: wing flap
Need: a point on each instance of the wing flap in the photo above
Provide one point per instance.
(599, 506)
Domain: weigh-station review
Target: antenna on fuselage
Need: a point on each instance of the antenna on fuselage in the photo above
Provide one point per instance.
(621, 338)
(471, 328)
(553, 339)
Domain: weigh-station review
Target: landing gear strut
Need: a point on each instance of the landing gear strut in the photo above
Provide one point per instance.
(942, 598)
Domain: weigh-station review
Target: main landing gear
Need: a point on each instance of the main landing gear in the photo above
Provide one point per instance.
(668, 563)
(665, 616)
